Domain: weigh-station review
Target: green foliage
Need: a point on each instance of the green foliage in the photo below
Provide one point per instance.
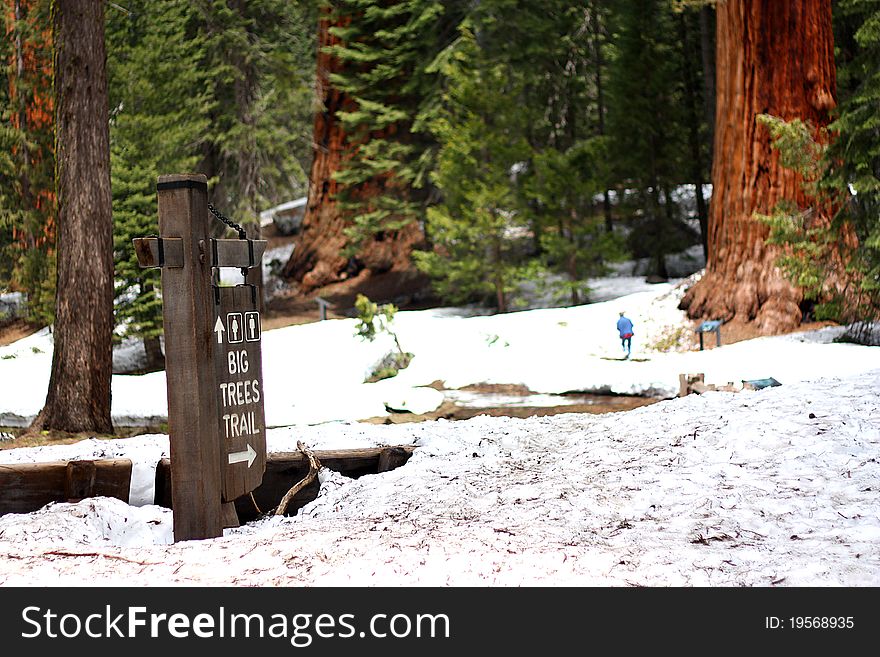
(831, 250)
(481, 241)
(648, 123)
(159, 115)
(27, 163)
(373, 319)
(385, 51)
(560, 193)
(521, 160)
(202, 87)
(257, 59)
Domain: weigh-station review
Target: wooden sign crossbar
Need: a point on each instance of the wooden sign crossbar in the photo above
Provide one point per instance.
(168, 252)
(213, 362)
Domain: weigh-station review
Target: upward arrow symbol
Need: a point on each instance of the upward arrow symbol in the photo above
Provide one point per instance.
(218, 329)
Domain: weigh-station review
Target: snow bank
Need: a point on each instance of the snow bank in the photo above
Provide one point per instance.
(772, 487)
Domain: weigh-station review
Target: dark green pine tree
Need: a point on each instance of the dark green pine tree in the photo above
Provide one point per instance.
(259, 59)
(386, 50)
(159, 117)
(559, 49)
(646, 124)
(9, 139)
(855, 162)
(238, 111)
(480, 240)
(522, 135)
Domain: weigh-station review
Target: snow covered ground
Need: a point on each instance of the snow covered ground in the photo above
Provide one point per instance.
(314, 373)
(758, 488)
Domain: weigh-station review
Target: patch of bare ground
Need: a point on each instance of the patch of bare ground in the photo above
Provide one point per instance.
(737, 330)
(15, 437)
(16, 329)
(408, 290)
(449, 410)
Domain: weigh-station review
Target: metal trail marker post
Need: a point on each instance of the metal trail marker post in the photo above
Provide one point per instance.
(213, 361)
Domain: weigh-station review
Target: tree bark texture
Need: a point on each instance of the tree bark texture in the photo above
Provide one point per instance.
(317, 258)
(79, 389)
(775, 58)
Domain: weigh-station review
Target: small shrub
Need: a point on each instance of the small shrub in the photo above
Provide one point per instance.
(676, 338)
(388, 367)
(372, 320)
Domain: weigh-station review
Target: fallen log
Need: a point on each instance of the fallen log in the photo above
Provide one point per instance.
(284, 469)
(26, 487)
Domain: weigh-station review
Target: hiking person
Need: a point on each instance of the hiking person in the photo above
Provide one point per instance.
(625, 329)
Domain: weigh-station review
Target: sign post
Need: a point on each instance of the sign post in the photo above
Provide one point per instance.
(213, 363)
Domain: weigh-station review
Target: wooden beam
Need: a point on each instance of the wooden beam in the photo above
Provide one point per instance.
(392, 457)
(105, 478)
(28, 487)
(283, 469)
(236, 253)
(159, 251)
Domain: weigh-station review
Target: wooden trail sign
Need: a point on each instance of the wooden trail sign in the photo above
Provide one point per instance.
(242, 424)
(211, 371)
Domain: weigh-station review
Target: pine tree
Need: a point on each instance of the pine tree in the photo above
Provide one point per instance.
(370, 182)
(547, 188)
(558, 49)
(158, 121)
(244, 102)
(257, 56)
(27, 166)
(385, 51)
(646, 124)
(564, 186)
(480, 241)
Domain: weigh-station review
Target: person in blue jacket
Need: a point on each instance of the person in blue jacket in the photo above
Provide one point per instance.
(625, 329)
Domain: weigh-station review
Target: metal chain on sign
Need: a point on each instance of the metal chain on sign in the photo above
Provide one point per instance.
(242, 235)
(229, 222)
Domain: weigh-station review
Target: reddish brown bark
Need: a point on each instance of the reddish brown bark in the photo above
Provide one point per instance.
(30, 93)
(775, 58)
(79, 388)
(318, 257)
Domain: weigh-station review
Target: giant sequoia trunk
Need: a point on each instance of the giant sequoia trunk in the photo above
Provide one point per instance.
(318, 258)
(79, 388)
(776, 58)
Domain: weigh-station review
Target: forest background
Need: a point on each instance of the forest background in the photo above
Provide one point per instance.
(480, 145)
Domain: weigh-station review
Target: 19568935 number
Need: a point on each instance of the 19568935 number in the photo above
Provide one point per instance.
(820, 622)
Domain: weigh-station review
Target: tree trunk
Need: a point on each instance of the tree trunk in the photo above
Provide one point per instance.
(155, 357)
(317, 257)
(776, 58)
(694, 133)
(79, 388)
(600, 105)
(706, 35)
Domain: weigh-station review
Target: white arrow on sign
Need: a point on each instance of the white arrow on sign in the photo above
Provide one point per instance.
(218, 329)
(240, 457)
